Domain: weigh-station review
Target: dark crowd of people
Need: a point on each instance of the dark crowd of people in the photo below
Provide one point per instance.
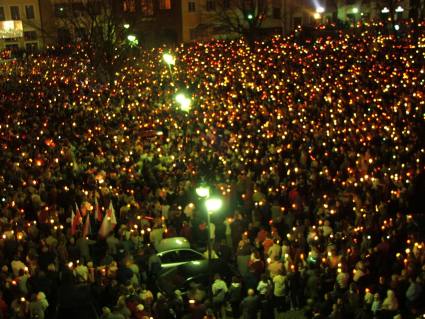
(316, 149)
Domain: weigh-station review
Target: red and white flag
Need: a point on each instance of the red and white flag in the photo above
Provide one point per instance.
(109, 222)
(75, 221)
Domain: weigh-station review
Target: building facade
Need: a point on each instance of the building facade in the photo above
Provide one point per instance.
(27, 13)
(156, 22)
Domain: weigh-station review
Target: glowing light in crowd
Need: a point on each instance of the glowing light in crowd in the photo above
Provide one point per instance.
(169, 59)
(399, 9)
(183, 101)
(320, 9)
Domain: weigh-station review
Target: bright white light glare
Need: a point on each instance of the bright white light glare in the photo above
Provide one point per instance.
(317, 16)
(203, 191)
(169, 59)
(399, 9)
(355, 10)
(131, 37)
(396, 27)
(385, 10)
(320, 9)
(213, 204)
(183, 101)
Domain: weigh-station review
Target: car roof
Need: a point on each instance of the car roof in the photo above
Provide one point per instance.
(172, 243)
(179, 249)
(193, 268)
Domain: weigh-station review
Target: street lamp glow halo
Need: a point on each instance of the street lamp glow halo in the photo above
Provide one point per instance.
(399, 9)
(203, 191)
(183, 101)
(185, 106)
(131, 37)
(320, 10)
(385, 10)
(355, 10)
(169, 59)
(213, 204)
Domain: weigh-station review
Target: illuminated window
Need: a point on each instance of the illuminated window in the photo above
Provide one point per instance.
(164, 4)
(14, 13)
(146, 7)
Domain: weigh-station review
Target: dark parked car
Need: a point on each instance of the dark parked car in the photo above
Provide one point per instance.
(192, 278)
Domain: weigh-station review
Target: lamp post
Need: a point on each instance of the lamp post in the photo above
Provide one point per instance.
(355, 11)
(317, 15)
(212, 205)
(133, 40)
(169, 60)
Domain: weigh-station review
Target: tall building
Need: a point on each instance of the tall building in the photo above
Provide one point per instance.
(20, 25)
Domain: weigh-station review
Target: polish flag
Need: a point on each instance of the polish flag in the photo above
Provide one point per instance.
(75, 221)
(109, 222)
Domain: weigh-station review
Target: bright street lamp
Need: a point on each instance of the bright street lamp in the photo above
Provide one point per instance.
(213, 204)
(184, 102)
(131, 37)
(126, 26)
(317, 16)
(203, 191)
(320, 9)
(399, 9)
(133, 40)
(355, 10)
(385, 10)
(169, 59)
(250, 16)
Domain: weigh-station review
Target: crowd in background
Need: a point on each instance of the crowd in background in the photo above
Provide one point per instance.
(315, 147)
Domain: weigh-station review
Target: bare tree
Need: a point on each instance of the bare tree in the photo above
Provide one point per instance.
(244, 17)
(98, 27)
